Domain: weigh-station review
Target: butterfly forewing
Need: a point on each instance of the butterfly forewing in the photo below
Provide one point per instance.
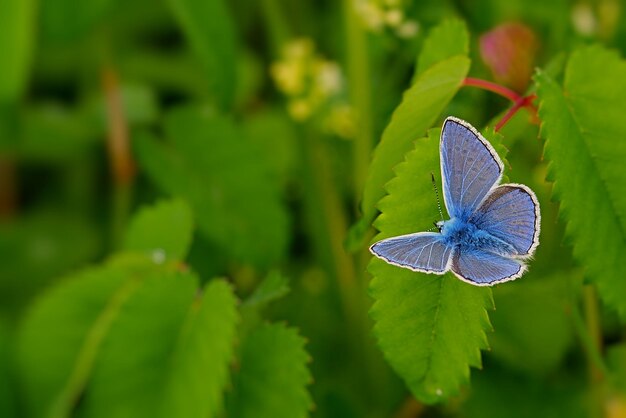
(469, 167)
(425, 251)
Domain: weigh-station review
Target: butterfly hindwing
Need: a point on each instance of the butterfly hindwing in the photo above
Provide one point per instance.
(485, 269)
(511, 213)
(424, 251)
(470, 167)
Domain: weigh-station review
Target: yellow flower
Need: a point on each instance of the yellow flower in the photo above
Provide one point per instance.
(408, 29)
(327, 77)
(394, 17)
(341, 121)
(299, 109)
(288, 76)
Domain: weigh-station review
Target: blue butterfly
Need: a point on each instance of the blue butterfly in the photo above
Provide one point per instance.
(493, 229)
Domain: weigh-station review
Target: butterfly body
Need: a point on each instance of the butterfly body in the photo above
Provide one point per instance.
(463, 235)
(493, 229)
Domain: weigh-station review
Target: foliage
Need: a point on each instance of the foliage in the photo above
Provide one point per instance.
(188, 189)
(581, 124)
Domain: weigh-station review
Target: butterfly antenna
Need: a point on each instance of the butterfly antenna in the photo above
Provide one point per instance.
(432, 177)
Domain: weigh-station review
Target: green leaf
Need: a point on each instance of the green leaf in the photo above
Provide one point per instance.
(582, 125)
(164, 230)
(444, 41)
(176, 346)
(421, 106)
(209, 28)
(129, 368)
(200, 367)
(60, 336)
(274, 134)
(226, 181)
(140, 104)
(17, 19)
(430, 328)
(273, 375)
(131, 338)
(273, 287)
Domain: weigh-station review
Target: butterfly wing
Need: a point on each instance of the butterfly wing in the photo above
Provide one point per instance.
(481, 268)
(511, 213)
(424, 251)
(470, 167)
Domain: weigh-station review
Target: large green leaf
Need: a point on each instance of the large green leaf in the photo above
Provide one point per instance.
(129, 369)
(199, 369)
(227, 182)
(273, 375)
(210, 31)
(132, 338)
(164, 230)
(421, 106)
(60, 337)
(17, 19)
(177, 348)
(584, 131)
(430, 328)
(444, 41)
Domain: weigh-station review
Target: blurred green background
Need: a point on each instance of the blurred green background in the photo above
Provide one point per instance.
(262, 115)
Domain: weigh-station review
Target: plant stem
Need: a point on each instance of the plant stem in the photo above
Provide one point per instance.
(358, 70)
(8, 189)
(592, 320)
(334, 220)
(585, 330)
(518, 101)
(589, 332)
(492, 87)
(411, 408)
(118, 146)
(522, 102)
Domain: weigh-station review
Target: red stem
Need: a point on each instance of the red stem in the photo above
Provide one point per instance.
(526, 101)
(492, 87)
(122, 163)
(518, 101)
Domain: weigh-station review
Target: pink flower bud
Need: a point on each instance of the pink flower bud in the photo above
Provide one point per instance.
(509, 51)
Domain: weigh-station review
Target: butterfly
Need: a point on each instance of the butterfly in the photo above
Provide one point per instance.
(493, 229)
